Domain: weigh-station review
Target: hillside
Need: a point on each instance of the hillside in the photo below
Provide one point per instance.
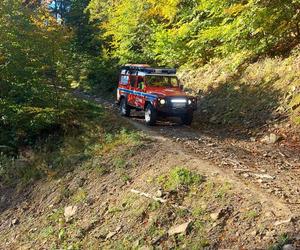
(76, 175)
(252, 96)
(193, 204)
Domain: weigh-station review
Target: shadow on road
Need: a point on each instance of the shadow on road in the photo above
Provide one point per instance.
(236, 106)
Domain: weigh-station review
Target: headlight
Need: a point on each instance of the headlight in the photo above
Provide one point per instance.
(189, 102)
(162, 101)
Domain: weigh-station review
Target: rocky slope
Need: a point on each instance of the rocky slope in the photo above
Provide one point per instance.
(167, 187)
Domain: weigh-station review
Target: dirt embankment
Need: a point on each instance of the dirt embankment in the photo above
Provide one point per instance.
(253, 95)
(169, 187)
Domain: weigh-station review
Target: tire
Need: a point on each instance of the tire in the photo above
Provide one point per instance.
(187, 118)
(124, 108)
(150, 115)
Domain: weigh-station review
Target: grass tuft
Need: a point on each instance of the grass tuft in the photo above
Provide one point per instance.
(283, 240)
(180, 177)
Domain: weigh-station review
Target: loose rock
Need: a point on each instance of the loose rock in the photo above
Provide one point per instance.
(222, 212)
(214, 216)
(254, 233)
(288, 247)
(159, 193)
(69, 212)
(179, 228)
(270, 139)
(14, 222)
(264, 176)
(112, 234)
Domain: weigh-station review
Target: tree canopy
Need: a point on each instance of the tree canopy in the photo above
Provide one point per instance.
(177, 32)
(48, 46)
(34, 61)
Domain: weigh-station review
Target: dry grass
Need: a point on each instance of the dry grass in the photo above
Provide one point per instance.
(278, 76)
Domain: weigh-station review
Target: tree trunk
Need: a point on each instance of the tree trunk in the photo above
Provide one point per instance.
(298, 31)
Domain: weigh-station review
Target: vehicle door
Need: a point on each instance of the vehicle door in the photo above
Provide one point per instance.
(131, 95)
(123, 86)
(140, 91)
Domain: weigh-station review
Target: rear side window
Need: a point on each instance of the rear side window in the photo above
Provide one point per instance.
(124, 80)
(132, 81)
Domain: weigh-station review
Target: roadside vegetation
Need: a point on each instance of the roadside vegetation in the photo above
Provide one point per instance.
(43, 128)
(81, 178)
(241, 58)
(244, 70)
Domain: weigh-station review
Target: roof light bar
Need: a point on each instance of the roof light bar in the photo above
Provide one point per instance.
(178, 100)
(148, 69)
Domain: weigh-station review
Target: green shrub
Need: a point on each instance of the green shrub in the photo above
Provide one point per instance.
(180, 177)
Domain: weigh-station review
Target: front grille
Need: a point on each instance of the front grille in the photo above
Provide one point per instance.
(178, 105)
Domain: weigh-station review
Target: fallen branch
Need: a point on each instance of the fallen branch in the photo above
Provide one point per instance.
(242, 170)
(147, 195)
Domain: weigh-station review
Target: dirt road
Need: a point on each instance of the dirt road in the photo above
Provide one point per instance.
(245, 197)
(270, 169)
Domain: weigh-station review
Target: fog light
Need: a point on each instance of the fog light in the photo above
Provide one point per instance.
(162, 101)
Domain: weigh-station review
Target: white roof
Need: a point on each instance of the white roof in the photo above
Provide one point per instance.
(173, 75)
(148, 74)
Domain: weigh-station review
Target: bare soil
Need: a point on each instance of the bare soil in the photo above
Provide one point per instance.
(249, 197)
(272, 168)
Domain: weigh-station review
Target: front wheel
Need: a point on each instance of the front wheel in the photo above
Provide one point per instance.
(124, 108)
(150, 115)
(187, 118)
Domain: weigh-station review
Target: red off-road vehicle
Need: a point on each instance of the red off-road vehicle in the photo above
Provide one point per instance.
(156, 91)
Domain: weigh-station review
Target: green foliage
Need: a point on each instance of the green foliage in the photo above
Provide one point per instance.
(14, 170)
(251, 214)
(47, 232)
(40, 60)
(176, 32)
(283, 240)
(180, 177)
(223, 190)
(115, 139)
(55, 152)
(295, 106)
(91, 67)
(80, 196)
(33, 72)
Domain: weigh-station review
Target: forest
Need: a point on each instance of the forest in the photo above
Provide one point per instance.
(50, 46)
(39, 54)
(74, 174)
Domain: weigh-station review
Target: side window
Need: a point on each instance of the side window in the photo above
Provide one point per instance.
(132, 81)
(124, 79)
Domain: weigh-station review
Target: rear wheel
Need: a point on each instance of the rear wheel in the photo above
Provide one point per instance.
(124, 108)
(150, 115)
(187, 118)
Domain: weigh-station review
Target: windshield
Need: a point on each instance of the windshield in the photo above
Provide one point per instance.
(162, 81)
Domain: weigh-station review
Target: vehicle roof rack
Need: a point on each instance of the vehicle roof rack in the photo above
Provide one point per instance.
(147, 69)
